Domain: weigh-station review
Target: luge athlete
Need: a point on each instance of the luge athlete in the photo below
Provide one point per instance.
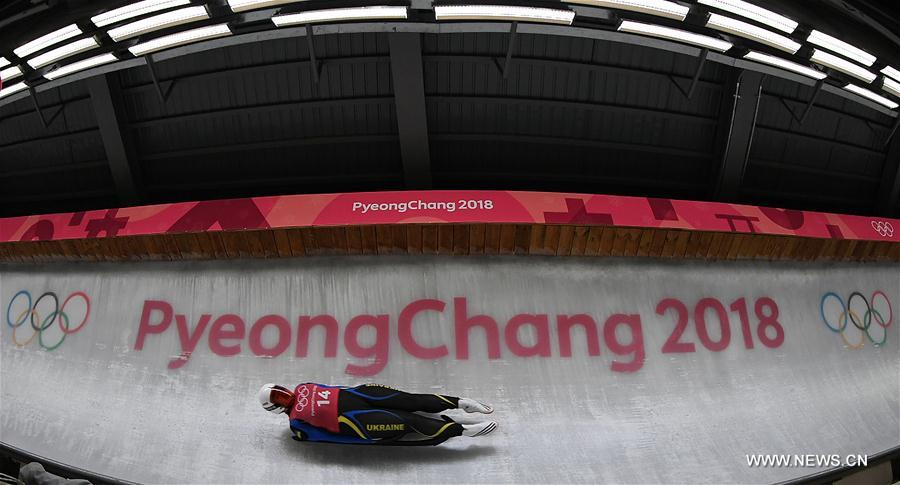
(370, 414)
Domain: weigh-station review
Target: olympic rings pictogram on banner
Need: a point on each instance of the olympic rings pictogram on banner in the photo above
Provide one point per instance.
(875, 312)
(883, 228)
(40, 323)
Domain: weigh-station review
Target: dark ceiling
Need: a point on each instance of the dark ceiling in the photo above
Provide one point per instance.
(569, 114)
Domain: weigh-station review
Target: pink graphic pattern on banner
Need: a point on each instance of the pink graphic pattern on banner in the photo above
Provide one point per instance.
(473, 206)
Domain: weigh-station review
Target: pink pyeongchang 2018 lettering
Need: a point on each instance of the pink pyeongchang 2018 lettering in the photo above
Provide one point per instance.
(621, 334)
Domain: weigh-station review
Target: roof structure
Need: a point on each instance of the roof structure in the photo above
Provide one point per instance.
(422, 103)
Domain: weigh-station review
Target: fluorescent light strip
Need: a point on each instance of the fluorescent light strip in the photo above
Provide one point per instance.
(891, 72)
(181, 38)
(157, 22)
(10, 73)
(870, 95)
(503, 12)
(15, 88)
(661, 8)
(135, 10)
(338, 14)
(45, 41)
(785, 64)
(843, 65)
(67, 50)
(891, 86)
(81, 65)
(242, 5)
(674, 34)
(4, 62)
(840, 47)
(753, 12)
(743, 29)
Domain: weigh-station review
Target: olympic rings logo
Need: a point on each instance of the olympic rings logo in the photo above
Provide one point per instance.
(302, 398)
(41, 316)
(859, 311)
(883, 228)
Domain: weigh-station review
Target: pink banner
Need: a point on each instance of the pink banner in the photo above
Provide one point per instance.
(472, 206)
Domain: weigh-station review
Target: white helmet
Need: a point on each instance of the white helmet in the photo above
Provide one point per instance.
(267, 391)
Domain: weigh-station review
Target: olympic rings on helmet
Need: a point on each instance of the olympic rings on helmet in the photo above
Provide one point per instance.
(862, 322)
(40, 323)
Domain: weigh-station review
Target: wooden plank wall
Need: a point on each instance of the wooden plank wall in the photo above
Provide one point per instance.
(449, 239)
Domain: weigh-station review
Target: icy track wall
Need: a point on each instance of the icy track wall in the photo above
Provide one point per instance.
(600, 371)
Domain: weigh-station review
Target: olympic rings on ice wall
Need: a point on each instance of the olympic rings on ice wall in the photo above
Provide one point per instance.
(23, 309)
(878, 310)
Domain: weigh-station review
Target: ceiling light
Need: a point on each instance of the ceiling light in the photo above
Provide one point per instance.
(891, 72)
(338, 14)
(843, 65)
(242, 5)
(785, 64)
(891, 86)
(753, 12)
(10, 73)
(157, 22)
(181, 38)
(660, 8)
(674, 34)
(840, 47)
(81, 65)
(743, 29)
(67, 50)
(4, 62)
(135, 10)
(503, 12)
(54, 37)
(15, 88)
(870, 95)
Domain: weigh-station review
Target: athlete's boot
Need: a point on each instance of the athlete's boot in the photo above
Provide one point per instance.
(478, 429)
(473, 406)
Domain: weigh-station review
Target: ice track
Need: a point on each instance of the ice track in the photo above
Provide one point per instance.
(159, 384)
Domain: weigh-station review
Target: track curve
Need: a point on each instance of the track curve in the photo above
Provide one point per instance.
(600, 370)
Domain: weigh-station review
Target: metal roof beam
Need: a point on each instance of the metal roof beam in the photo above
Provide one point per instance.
(445, 28)
(106, 96)
(889, 189)
(737, 125)
(409, 99)
(530, 103)
(530, 138)
(268, 144)
(264, 108)
(689, 92)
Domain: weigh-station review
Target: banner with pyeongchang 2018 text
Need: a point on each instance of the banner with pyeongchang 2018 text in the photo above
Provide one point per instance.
(623, 347)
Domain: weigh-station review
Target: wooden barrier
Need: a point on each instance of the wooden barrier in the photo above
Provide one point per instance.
(452, 239)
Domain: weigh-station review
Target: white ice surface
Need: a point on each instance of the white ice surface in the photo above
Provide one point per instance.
(98, 403)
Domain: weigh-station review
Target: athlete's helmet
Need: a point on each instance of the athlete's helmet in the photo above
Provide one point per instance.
(274, 398)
